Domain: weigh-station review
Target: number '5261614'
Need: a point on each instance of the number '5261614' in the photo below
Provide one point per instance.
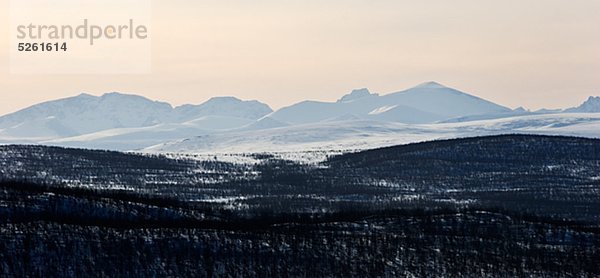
(42, 47)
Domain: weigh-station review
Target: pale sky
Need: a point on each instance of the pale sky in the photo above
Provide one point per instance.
(531, 53)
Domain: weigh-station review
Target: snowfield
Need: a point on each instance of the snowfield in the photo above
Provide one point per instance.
(307, 131)
(314, 142)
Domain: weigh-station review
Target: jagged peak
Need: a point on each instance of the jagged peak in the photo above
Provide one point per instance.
(592, 100)
(591, 105)
(356, 94)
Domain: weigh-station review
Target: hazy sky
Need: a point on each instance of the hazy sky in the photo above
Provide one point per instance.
(534, 53)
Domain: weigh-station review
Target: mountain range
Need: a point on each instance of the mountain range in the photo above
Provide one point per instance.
(425, 103)
(87, 114)
(360, 119)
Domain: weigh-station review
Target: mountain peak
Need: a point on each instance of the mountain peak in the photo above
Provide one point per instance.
(520, 109)
(593, 99)
(431, 85)
(225, 99)
(120, 95)
(86, 95)
(356, 94)
(591, 105)
(224, 106)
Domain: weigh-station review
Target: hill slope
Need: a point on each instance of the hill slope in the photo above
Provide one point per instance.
(426, 103)
(86, 114)
(513, 205)
(364, 134)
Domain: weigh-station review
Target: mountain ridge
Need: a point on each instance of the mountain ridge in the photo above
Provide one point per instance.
(591, 105)
(85, 113)
(132, 122)
(433, 99)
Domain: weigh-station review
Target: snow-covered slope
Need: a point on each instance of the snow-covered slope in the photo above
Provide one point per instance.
(402, 114)
(356, 94)
(359, 119)
(591, 105)
(364, 134)
(426, 103)
(491, 116)
(437, 99)
(87, 114)
(126, 139)
(263, 123)
(223, 106)
(82, 114)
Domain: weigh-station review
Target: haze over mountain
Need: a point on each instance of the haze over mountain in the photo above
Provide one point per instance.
(355, 135)
(223, 106)
(85, 114)
(129, 122)
(425, 103)
(592, 105)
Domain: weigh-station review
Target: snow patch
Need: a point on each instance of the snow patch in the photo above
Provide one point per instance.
(382, 109)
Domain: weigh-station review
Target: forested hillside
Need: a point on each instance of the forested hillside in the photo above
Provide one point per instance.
(487, 206)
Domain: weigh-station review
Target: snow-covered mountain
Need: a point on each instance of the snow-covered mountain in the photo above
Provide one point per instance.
(223, 106)
(364, 134)
(125, 139)
(591, 105)
(357, 120)
(87, 114)
(83, 114)
(425, 103)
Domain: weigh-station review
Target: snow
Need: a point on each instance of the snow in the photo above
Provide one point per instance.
(218, 122)
(222, 199)
(426, 103)
(223, 106)
(264, 123)
(516, 112)
(444, 101)
(314, 142)
(430, 85)
(408, 115)
(591, 105)
(86, 114)
(307, 131)
(83, 114)
(382, 109)
(356, 94)
(124, 139)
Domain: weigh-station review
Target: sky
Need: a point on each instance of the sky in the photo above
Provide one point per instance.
(531, 53)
